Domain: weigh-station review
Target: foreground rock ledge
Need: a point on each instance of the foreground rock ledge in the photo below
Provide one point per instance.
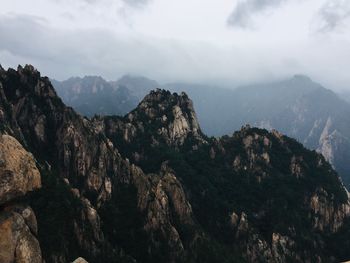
(18, 172)
(18, 225)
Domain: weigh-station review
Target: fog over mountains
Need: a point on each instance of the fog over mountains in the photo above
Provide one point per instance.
(298, 107)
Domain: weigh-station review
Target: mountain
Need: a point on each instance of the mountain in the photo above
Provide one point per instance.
(152, 187)
(137, 85)
(93, 95)
(213, 106)
(345, 95)
(298, 107)
(234, 177)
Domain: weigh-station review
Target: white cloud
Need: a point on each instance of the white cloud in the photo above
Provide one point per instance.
(184, 40)
(241, 16)
(333, 14)
(136, 3)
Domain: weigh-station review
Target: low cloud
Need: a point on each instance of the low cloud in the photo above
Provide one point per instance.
(137, 3)
(125, 3)
(246, 9)
(62, 53)
(333, 14)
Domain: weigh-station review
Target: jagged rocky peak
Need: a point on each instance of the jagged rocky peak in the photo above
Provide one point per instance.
(26, 81)
(176, 110)
(53, 132)
(161, 117)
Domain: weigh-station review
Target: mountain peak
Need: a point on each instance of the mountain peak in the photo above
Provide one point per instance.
(174, 111)
(139, 86)
(27, 68)
(161, 119)
(130, 77)
(28, 72)
(26, 82)
(163, 97)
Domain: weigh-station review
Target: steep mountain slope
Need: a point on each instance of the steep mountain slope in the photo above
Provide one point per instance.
(260, 187)
(254, 196)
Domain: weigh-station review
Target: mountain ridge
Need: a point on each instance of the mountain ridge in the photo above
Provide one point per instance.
(298, 107)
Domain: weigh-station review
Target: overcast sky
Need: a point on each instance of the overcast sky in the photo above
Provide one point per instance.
(213, 41)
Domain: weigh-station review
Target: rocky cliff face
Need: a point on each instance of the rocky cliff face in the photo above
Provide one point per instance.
(254, 196)
(18, 226)
(19, 174)
(170, 118)
(162, 119)
(333, 145)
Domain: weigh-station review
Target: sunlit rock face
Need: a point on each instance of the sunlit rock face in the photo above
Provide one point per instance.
(18, 226)
(19, 173)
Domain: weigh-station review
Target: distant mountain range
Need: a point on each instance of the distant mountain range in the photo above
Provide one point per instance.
(298, 107)
(93, 95)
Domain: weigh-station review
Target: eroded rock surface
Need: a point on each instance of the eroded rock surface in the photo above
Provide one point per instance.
(18, 226)
(18, 170)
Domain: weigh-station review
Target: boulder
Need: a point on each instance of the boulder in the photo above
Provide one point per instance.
(18, 171)
(18, 243)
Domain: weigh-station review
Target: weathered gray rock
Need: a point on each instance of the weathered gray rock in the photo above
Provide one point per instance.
(170, 117)
(163, 200)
